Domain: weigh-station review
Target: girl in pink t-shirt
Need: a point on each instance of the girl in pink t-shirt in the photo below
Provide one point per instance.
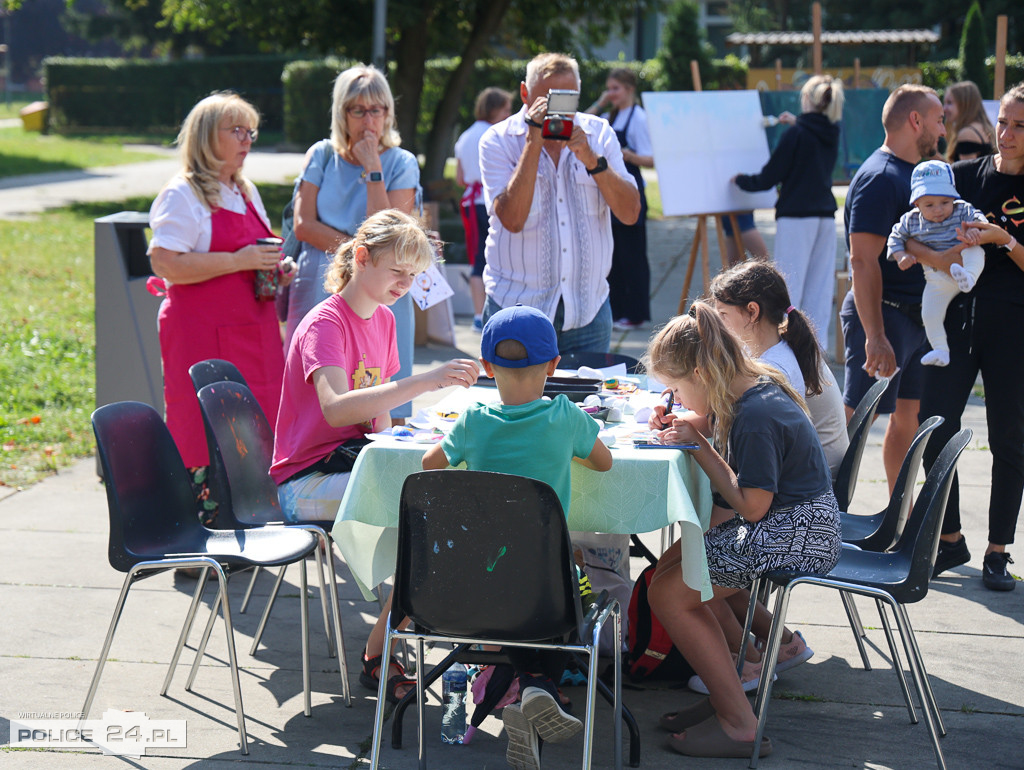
(337, 379)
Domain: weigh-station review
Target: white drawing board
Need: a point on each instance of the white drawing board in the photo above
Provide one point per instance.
(701, 140)
(991, 109)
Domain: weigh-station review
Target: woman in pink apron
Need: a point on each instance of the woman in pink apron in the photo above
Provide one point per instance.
(205, 223)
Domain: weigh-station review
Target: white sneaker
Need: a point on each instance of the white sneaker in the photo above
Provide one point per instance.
(523, 752)
(547, 717)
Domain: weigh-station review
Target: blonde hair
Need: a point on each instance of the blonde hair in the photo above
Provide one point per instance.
(824, 94)
(969, 110)
(548, 64)
(369, 82)
(199, 140)
(700, 341)
(908, 98)
(389, 230)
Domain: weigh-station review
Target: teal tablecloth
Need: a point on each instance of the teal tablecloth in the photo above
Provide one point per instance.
(644, 491)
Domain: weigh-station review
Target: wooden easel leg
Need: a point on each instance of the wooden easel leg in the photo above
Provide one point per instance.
(704, 260)
(698, 237)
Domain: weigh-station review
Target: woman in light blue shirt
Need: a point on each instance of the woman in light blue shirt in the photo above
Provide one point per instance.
(359, 171)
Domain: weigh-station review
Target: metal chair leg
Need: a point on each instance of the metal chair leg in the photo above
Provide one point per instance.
(248, 591)
(906, 633)
(332, 587)
(266, 610)
(307, 704)
(118, 608)
(232, 657)
(378, 717)
(858, 628)
(420, 704)
(201, 648)
(323, 603)
(755, 590)
(186, 628)
(924, 673)
(770, 658)
(897, 664)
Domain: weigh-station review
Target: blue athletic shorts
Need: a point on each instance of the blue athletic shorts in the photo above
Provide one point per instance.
(744, 220)
(908, 343)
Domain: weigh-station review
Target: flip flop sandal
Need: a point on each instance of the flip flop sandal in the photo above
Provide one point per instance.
(369, 677)
(708, 739)
(677, 721)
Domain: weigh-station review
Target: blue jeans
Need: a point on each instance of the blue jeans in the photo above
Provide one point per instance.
(595, 337)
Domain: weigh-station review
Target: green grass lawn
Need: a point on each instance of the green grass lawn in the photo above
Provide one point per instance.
(17, 102)
(47, 338)
(28, 152)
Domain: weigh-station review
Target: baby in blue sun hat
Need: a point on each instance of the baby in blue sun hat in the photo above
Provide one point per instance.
(937, 214)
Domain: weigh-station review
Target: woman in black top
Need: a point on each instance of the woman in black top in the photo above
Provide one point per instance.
(983, 328)
(969, 132)
(802, 165)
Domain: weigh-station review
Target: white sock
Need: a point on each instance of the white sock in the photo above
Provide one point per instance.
(964, 280)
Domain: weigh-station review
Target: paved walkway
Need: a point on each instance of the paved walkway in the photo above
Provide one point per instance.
(57, 592)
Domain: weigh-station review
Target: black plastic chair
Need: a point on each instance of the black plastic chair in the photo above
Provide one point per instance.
(857, 429)
(598, 361)
(485, 558)
(154, 528)
(242, 441)
(204, 373)
(892, 578)
(880, 531)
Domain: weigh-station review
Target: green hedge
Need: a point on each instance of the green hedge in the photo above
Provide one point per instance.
(940, 74)
(307, 89)
(141, 95)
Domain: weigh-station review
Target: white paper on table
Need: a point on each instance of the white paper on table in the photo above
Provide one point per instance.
(429, 288)
(586, 372)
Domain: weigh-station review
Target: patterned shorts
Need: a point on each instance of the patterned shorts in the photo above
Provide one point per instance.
(805, 537)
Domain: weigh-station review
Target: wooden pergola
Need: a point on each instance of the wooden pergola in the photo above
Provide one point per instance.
(909, 37)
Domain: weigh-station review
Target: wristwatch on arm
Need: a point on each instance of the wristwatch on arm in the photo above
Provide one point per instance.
(373, 176)
(602, 165)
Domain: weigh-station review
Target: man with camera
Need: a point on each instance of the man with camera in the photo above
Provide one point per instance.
(552, 178)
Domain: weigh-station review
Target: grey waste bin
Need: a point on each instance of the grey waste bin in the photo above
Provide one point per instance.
(127, 346)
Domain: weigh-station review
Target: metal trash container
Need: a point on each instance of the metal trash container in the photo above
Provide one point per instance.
(127, 345)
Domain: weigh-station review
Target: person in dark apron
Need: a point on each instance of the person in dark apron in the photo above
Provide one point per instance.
(630, 277)
(205, 223)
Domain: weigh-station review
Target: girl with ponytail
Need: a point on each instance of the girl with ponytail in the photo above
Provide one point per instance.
(754, 302)
(774, 508)
(338, 386)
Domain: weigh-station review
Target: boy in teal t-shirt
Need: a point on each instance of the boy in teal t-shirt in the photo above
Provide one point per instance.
(531, 436)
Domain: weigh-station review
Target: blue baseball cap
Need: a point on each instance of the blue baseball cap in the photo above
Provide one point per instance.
(933, 177)
(527, 326)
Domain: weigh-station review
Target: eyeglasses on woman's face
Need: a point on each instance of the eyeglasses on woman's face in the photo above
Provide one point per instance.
(241, 133)
(358, 112)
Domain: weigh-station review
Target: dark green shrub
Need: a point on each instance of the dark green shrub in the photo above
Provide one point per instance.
(683, 41)
(939, 74)
(307, 99)
(974, 49)
(142, 95)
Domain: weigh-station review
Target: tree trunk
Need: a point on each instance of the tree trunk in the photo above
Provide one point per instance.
(436, 150)
(410, 66)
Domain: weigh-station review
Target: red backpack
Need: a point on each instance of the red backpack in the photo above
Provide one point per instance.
(651, 653)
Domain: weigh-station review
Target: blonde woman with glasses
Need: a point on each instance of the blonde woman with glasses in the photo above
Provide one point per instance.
(359, 171)
(206, 225)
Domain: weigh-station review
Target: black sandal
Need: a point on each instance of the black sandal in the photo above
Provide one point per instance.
(369, 677)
